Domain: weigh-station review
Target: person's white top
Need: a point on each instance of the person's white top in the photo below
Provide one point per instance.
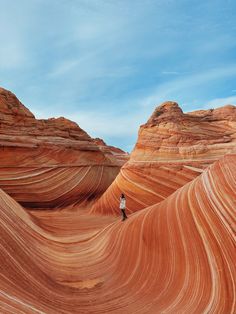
(122, 203)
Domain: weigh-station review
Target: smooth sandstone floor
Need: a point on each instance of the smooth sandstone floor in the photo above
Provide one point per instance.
(174, 257)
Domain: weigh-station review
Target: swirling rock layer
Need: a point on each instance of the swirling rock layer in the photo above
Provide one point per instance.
(50, 163)
(172, 149)
(177, 256)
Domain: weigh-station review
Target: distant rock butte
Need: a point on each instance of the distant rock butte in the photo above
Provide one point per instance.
(47, 163)
(168, 109)
(111, 151)
(10, 105)
(172, 149)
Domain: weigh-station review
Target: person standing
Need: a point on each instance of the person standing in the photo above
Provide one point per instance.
(123, 206)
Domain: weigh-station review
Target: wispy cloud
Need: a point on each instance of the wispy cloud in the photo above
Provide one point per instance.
(112, 127)
(184, 84)
(170, 72)
(97, 123)
(218, 102)
(106, 64)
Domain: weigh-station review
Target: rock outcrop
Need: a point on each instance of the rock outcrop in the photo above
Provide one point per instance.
(172, 149)
(177, 256)
(50, 163)
(112, 152)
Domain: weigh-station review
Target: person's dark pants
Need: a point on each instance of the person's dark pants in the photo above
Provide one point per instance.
(124, 214)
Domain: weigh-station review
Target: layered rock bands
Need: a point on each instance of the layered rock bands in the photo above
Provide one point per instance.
(172, 149)
(51, 163)
(174, 254)
(174, 257)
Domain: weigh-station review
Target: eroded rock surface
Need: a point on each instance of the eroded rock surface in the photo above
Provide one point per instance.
(177, 256)
(172, 149)
(50, 163)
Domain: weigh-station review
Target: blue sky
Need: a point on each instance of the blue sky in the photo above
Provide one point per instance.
(106, 64)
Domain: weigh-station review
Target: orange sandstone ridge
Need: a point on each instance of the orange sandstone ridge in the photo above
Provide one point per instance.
(172, 149)
(111, 151)
(177, 256)
(50, 163)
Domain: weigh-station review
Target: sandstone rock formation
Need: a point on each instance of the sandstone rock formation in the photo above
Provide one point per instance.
(177, 256)
(172, 149)
(111, 151)
(49, 163)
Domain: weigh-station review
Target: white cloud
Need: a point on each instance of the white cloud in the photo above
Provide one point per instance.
(96, 123)
(12, 55)
(184, 83)
(80, 58)
(170, 72)
(218, 102)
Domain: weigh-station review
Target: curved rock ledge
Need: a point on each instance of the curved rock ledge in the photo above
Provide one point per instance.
(175, 257)
(51, 163)
(172, 149)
